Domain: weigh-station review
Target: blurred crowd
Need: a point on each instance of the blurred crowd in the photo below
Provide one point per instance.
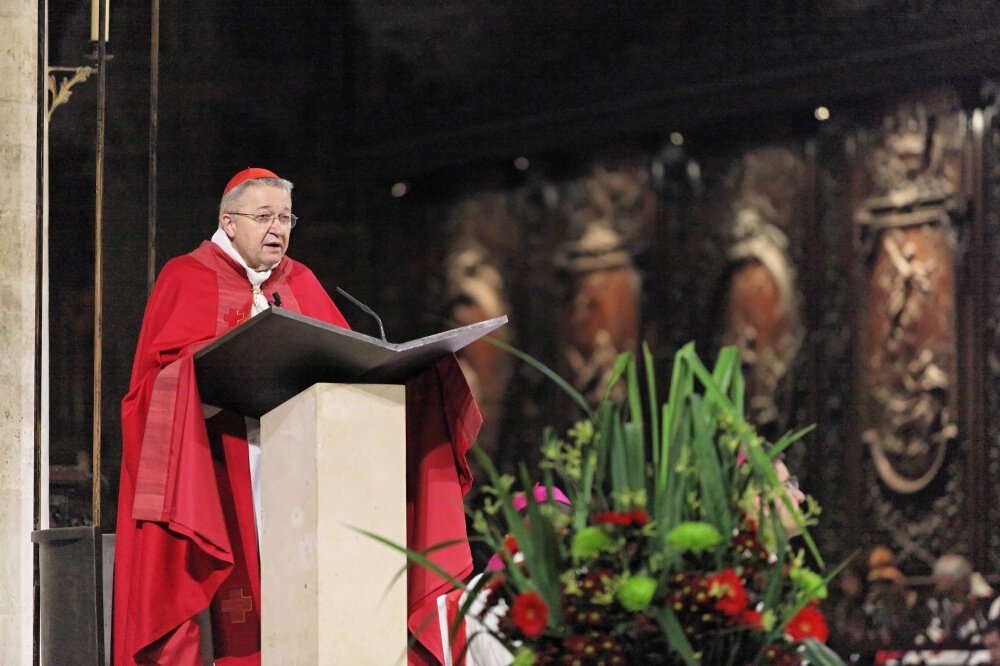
(875, 608)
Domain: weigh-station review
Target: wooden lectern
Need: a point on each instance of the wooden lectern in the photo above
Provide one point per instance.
(333, 452)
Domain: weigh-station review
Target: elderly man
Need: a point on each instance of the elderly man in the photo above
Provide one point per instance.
(187, 528)
(960, 606)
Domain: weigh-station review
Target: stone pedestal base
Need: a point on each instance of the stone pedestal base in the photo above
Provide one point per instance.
(334, 457)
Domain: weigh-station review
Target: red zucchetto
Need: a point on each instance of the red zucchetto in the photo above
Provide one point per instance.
(248, 174)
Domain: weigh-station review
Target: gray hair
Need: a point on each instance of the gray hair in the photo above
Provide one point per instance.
(236, 193)
(952, 566)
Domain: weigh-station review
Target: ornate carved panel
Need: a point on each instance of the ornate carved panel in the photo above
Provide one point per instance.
(911, 360)
(760, 313)
(756, 300)
(909, 367)
(605, 214)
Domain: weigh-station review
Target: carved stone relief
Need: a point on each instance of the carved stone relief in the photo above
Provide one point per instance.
(907, 241)
(603, 316)
(604, 216)
(761, 312)
(758, 298)
(910, 337)
(911, 355)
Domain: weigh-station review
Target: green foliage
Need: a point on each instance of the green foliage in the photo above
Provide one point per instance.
(676, 548)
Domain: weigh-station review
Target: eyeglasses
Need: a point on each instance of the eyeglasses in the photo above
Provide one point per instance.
(791, 483)
(265, 220)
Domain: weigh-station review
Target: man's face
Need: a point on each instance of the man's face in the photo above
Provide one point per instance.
(261, 246)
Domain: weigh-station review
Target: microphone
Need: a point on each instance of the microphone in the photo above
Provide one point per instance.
(277, 299)
(367, 309)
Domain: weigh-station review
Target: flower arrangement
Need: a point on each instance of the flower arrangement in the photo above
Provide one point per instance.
(675, 545)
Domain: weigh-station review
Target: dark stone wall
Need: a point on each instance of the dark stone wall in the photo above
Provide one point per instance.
(347, 99)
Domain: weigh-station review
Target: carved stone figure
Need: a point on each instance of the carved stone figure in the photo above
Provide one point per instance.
(603, 316)
(760, 311)
(910, 319)
(605, 213)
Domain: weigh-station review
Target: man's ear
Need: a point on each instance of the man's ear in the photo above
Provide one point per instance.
(228, 225)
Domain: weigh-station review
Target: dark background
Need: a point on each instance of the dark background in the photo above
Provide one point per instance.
(347, 99)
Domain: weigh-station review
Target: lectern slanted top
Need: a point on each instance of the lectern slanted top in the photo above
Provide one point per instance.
(277, 354)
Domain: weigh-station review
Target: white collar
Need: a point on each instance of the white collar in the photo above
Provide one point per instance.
(256, 278)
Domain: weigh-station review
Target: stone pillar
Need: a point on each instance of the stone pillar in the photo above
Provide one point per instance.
(18, 100)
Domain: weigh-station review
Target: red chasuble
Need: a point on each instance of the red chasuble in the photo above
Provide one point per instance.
(186, 539)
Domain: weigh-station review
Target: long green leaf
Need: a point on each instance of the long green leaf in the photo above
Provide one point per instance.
(417, 557)
(576, 396)
(581, 509)
(712, 392)
(618, 458)
(623, 362)
(636, 456)
(727, 368)
(676, 638)
(819, 654)
(634, 395)
(787, 440)
(710, 470)
(680, 381)
(654, 413)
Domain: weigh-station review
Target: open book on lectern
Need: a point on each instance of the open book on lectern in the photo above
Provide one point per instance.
(278, 354)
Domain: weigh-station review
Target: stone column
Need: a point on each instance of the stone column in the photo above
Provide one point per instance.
(18, 100)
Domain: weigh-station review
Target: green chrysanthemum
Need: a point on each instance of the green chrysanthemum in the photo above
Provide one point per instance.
(694, 536)
(523, 657)
(636, 593)
(809, 582)
(590, 541)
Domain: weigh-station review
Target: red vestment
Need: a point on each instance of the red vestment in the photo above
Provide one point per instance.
(186, 539)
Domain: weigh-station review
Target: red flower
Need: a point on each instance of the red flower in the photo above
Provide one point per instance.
(530, 613)
(611, 517)
(728, 586)
(752, 619)
(636, 517)
(807, 623)
(510, 545)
